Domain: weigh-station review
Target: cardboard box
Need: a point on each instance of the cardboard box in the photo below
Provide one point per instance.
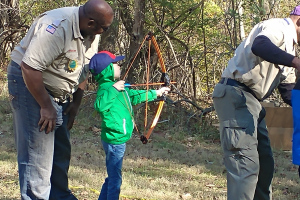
(279, 121)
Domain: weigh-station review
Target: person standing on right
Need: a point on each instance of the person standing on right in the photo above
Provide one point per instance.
(296, 125)
(261, 63)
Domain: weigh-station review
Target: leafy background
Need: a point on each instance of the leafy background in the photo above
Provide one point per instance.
(183, 159)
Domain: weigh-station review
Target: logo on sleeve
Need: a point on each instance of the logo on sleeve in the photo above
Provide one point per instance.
(51, 29)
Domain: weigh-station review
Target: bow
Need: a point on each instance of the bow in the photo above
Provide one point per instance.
(165, 81)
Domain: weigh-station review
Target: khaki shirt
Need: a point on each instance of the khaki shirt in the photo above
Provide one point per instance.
(260, 76)
(55, 46)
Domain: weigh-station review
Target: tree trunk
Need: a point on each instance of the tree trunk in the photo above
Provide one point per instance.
(134, 26)
(241, 12)
(9, 26)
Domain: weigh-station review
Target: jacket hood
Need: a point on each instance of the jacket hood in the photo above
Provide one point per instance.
(107, 75)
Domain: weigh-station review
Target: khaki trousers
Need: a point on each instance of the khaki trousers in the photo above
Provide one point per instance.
(244, 138)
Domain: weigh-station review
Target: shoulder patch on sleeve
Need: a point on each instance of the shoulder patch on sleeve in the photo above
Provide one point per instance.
(51, 29)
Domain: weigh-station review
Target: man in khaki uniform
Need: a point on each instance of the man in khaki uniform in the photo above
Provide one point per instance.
(49, 66)
(260, 64)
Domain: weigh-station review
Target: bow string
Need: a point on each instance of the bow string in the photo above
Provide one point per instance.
(165, 81)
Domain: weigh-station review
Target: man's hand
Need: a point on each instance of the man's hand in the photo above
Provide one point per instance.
(48, 119)
(162, 91)
(73, 106)
(119, 85)
(296, 63)
(72, 111)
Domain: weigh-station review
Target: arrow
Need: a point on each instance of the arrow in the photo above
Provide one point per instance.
(141, 84)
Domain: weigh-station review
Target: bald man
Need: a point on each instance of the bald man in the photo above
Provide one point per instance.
(48, 67)
(262, 62)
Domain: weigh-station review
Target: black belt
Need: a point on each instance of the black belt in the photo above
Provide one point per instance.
(236, 83)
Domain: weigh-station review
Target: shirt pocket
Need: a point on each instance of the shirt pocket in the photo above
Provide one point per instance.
(66, 61)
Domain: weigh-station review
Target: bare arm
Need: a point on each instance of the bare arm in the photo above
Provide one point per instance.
(72, 109)
(34, 82)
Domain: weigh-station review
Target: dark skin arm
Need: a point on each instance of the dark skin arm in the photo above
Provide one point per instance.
(296, 63)
(34, 82)
(73, 107)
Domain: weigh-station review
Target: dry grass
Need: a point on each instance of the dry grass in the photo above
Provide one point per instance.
(172, 166)
(163, 169)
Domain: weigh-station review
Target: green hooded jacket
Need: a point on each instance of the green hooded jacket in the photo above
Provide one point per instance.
(115, 107)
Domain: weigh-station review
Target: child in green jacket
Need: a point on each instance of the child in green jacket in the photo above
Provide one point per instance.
(114, 103)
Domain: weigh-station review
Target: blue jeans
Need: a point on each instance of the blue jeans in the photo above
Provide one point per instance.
(114, 159)
(43, 159)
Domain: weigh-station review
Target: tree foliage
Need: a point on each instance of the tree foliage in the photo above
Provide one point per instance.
(197, 38)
